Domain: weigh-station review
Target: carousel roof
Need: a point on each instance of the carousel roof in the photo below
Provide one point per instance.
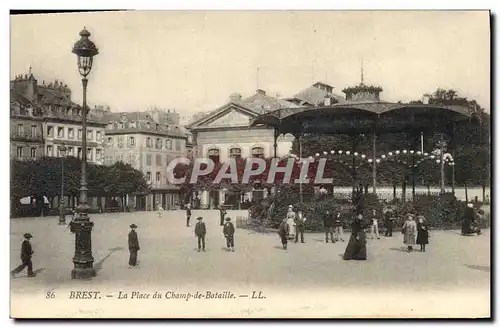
(360, 117)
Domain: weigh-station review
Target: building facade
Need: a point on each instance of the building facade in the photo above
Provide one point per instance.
(224, 133)
(43, 118)
(148, 145)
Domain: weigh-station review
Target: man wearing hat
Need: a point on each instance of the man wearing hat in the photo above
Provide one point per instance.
(188, 214)
(200, 230)
(133, 245)
(228, 232)
(26, 253)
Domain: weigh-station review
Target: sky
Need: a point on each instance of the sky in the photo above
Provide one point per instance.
(193, 60)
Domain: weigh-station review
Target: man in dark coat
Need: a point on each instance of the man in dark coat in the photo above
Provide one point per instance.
(26, 253)
(299, 226)
(328, 222)
(133, 245)
(389, 223)
(200, 230)
(223, 213)
(188, 214)
(228, 232)
(283, 231)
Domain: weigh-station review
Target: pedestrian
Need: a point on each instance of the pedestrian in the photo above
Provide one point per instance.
(228, 232)
(389, 223)
(222, 213)
(374, 225)
(188, 214)
(26, 254)
(299, 226)
(422, 233)
(283, 231)
(290, 217)
(200, 230)
(409, 231)
(339, 228)
(133, 245)
(356, 247)
(328, 225)
(160, 210)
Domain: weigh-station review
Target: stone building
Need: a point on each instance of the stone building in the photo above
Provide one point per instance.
(43, 118)
(148, 144)
(224, 133)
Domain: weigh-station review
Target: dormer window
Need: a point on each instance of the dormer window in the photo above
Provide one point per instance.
(148, 125)
(132, 124)
(120, 125)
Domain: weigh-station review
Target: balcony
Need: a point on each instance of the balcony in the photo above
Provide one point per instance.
(27, 136)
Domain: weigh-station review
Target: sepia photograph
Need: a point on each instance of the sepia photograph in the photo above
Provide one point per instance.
(250, 164)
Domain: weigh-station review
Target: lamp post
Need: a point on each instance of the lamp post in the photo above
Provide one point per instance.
(82, 226)
(62, 209)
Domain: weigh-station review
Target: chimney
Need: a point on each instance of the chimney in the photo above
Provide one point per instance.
(261, 92)
(235, 97)
(27, 86)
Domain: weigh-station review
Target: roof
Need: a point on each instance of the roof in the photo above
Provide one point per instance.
(17, 97)
(168, 129)
(262, 103)
(315, 96)
(257, 104)
(360, 117)
(53, 96)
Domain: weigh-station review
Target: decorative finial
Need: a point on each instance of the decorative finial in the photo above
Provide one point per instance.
(29, 71)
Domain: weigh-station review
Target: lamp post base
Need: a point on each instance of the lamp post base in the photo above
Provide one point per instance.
(83, 273)
(62, 220)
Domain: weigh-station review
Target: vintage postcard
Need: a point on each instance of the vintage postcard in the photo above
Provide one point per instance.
(250, 164)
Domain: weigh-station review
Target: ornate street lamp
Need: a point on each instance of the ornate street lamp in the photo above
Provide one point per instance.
(62, 208)
(82, 226)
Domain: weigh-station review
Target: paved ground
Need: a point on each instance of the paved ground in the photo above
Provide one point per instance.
(309, 280)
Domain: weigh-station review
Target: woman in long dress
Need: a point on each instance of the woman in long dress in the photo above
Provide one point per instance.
(290, 219)
(356, 247)
(422, 233)
(409, 231)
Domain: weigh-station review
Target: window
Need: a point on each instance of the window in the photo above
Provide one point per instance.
(79, 152)
(148, 142)
(79, 134)
(178, 146)
(71, 133)
(148, 160)
(158, 143)
(120, 125)
(49, 151)
(120, 141)
(190, 139)
(235, 152)
(33, 152)
(50, 131)
(168, 144)
(158, 159)
(60, 132)
(20, 129)
(132, 125)
(131, 141)
(70, 151)
(19, 151)
(110, 140)
(34, 130)
(148, 176)
(148, 125)
(90, 134)
(258, 152)
(89, 154)
(213, 154)
(158, 176)
(98, 136)
(98, 154)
